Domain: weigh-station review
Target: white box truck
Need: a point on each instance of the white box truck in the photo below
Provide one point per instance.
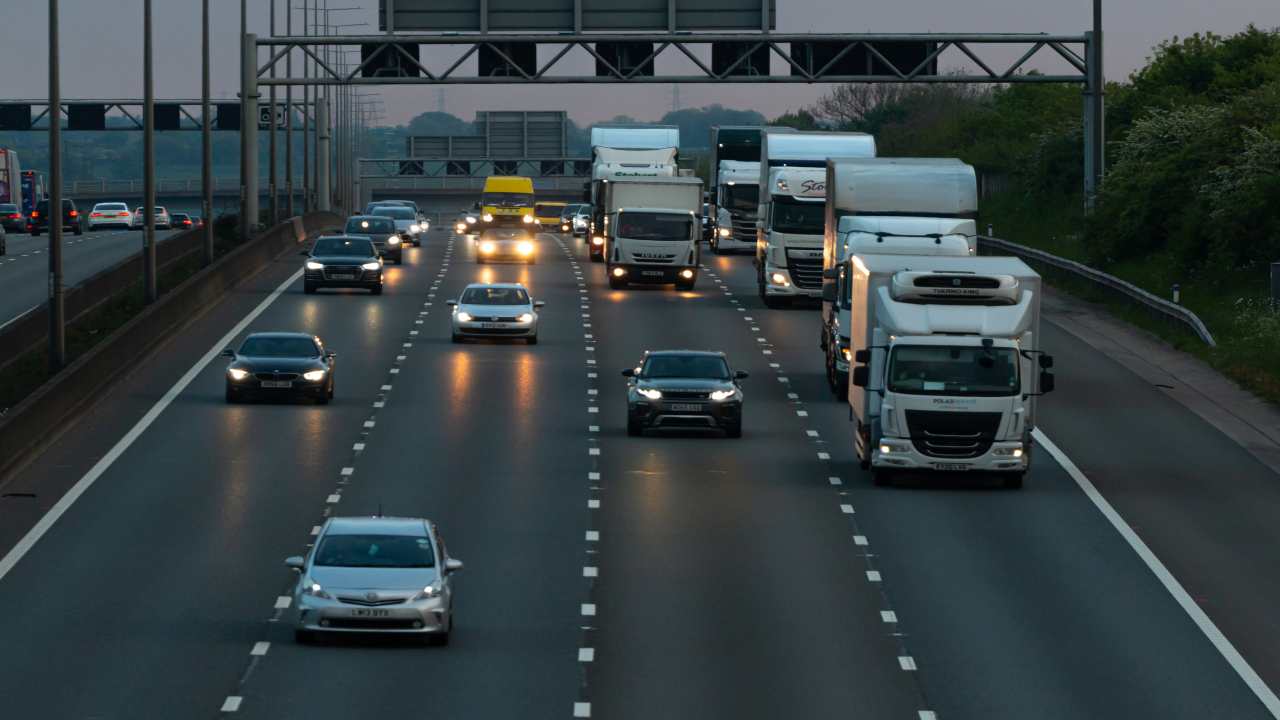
(652, 231)
(949, 364)
(626, 150)
(897, 206)
(788, 258)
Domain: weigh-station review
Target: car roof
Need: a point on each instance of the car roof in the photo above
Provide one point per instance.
(344, 237)
(707, 353)
(381, 525)
(496, 285)
(281, 334)
(367, 217)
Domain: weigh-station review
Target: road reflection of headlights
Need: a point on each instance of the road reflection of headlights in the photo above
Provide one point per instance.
(650, 393)
(313, 265)
(371, 266)
(525, 248)
(464, 316)
(238, 374)
(313, 375)
(525, 318)
(721, 394)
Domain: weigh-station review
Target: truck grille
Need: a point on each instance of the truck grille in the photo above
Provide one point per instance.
(654, 259)
(954, 435)
(744, 229)
(806, 273)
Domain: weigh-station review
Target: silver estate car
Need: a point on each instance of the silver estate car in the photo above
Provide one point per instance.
(375, 575)
(495, 310)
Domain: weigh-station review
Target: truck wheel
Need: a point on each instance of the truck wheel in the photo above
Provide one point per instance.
(881, 478)
(1013, 481)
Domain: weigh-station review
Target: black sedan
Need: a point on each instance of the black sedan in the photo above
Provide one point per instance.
(684, 389)
(382, 231)
(343, 261)
(280, 364)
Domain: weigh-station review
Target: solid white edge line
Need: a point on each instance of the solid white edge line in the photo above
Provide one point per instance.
(1166, 578)
(59, 508)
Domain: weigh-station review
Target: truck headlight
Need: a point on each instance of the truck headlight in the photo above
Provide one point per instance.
(527, 219)
(238, 374)
(886, 449)
(650, 393)
(487, 217)
(720, 395)
(313, 375)
(779, 279)
(313, 265)
(724, 232)
(1015, 452)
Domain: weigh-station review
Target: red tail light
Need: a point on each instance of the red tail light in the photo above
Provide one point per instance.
(16, 216)
(122, 214)
(35, 213)
(92, 214)
(74, 213)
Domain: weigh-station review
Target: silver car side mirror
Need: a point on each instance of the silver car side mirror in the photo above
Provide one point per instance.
(295, 561)
(451, 303)
(452, 565)
(539, 304)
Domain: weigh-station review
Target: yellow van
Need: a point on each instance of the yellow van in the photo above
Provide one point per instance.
(506, 200)
(547, 214)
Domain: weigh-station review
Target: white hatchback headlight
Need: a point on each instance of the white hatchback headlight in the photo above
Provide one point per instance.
(525, 318)
(313, 265)
(463, 316)
(650, 393)
(721, 394)
(371, 266)
(313, 375)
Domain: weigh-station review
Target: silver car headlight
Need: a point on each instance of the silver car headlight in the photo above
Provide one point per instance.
(313, 375)
(463, 316)
(371, 266)
(312, 588)
(650, 393)
(722, 394)
(238, 374)
(415, 228)
(471, 220)
(429, 592)
(525, 318)
(393, 240)
(313, 265)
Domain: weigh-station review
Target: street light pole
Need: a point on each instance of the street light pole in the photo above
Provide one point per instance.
(57, 329)
(245, 222)
(206, 141)
(288, 112)
(307, 109)
(150, 290)
(272, 181)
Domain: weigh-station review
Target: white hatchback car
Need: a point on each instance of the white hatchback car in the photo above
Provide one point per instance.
(109, 214)
(140, 219)
(495, 310)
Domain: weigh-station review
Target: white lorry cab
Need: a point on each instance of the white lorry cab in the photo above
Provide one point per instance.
(621, 151)
(894, 206)
(737, 199)
(776, 282)
(791, 227)
(653, 231)
(948, 364)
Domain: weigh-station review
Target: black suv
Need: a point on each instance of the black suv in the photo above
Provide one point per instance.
(71, 218)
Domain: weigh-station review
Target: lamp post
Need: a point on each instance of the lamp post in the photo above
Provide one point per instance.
(206, 141)
(57, 334)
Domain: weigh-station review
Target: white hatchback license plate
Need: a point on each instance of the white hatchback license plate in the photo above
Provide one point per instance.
(686, 407)
(277, 384)
(951, 467)
(651, 273)
(493, 325)
(370, 613)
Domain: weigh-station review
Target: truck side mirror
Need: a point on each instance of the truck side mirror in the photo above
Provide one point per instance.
(1046, 362)
(831, 274)
(861, 375)
(1046, 383)
(862, 356)
(829, 292)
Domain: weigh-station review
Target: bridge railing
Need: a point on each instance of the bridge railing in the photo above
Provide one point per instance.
(134, 187)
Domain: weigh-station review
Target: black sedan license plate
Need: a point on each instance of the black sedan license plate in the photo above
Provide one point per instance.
(342, 276)
(950, 467)
(277, 384)
(686, 407)
(370, 613)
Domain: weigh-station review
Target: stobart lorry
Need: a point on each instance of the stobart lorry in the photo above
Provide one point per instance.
(626, 151)
(948, 364)
(893, 206)
(789, 230)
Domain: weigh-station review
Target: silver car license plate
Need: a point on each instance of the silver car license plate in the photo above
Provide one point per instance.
(277, 384)
(370, 613)
(686, 407)
(951, 467)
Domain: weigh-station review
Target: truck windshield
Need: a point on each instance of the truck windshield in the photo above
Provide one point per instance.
(504, 199)
(655, 226)
(798, 218)
(742, 198)
(953, 370)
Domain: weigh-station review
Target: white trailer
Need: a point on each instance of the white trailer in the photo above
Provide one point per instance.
(652, 231)
(949, 365)
(626, 150)
(11, 179)
(785, 271)
(911, 206)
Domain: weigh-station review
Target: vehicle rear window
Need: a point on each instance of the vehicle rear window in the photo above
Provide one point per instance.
(279, 347)
(389, 551)
(349, 247)
(704, 367)
(495, 296)
(368, 225)
(111, 206)
(394, 211)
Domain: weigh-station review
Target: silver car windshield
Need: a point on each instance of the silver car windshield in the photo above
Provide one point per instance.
(495, 296)
(376, 551)
(950, 370)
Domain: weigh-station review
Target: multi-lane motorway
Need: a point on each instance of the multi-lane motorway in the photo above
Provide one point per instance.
(24, 269)
(617, 577)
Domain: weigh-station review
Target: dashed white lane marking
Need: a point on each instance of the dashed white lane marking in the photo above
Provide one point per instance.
(811, 433)
(348, 471)
(358, 447)
(315, 530)
(802, 413)
(1166, 578)
(846, 509)
(232, 703)
(586, 654)
(333, 499)
(590, 571)
(927, 715)
(792, 396)
(873, 576)
(593, 451)
(260, 648)
(283, 602)
(60, 508)
(588, 609)
(593, 504)
(593, 409)
(582, 710)
(593, 536)
(824, 456)
(593, 476)
(386, 388)
(906, 662)
(783, 379)
(369, 423)
(593, 428)
(835, 480)
(888, 616)
(860, 540)
(395, 371)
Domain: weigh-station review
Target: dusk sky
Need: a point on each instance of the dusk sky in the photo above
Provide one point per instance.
(102, 49)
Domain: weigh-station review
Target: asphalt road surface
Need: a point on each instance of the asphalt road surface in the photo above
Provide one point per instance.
(24, 269)
(687, 576)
